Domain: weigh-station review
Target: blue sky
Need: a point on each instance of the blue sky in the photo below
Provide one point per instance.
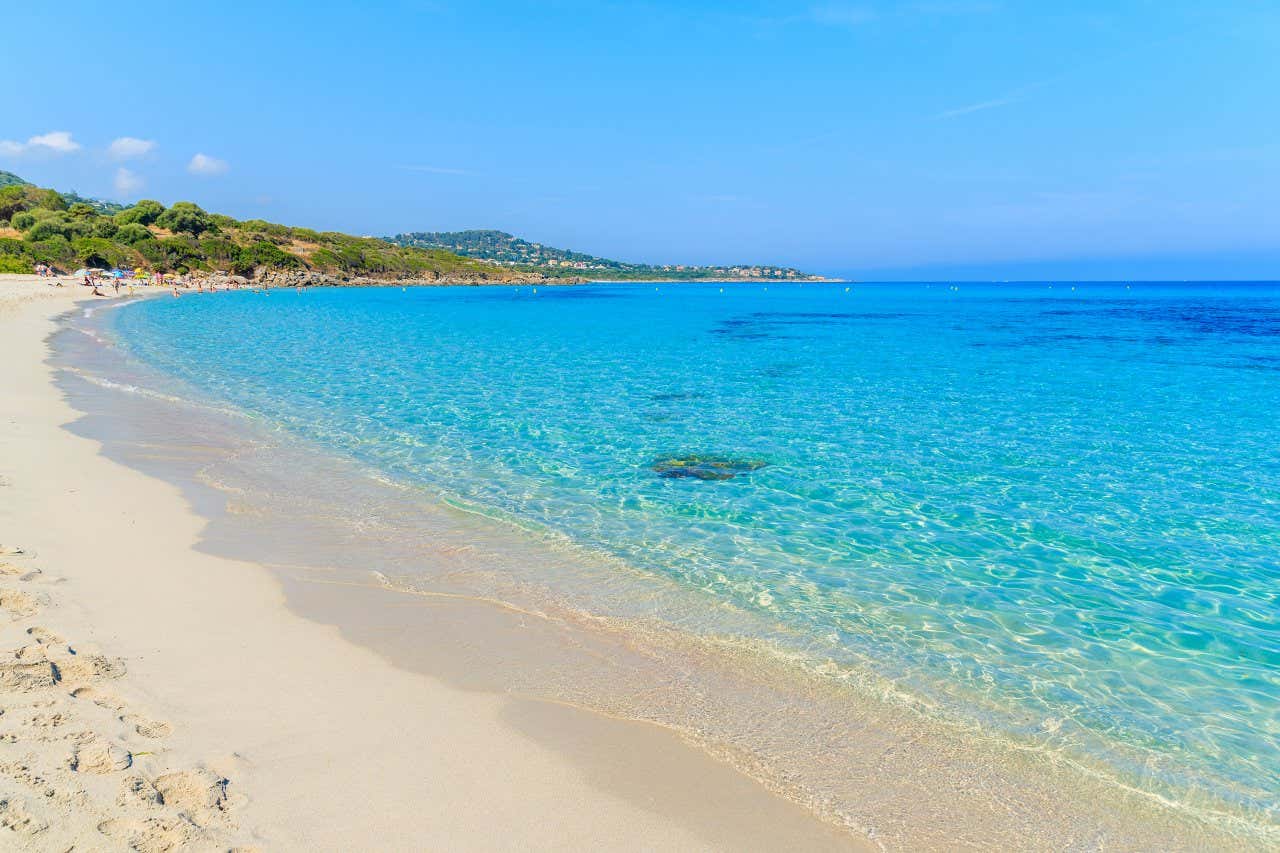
(948, 138)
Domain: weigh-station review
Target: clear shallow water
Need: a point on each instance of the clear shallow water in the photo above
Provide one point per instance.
(1053, 513)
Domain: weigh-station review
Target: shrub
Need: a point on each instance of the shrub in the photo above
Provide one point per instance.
(219, 251)
(12, 263)
(185, 217)
(263, 253)
(144, 212)
(24, 197)
(98, 252)
(49, 199)
(78, 228)
(22, 221)
(12, 201)
(132, 233)
(170, 253)
(46, 228)
(55, 250)
(103, 226)
(80, 210)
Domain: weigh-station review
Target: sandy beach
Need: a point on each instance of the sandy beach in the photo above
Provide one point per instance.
(156, 697)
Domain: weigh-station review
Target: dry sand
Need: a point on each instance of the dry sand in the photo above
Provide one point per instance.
(156, 697)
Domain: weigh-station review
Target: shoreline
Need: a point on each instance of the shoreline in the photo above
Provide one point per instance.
(922, 784)
(306, 728)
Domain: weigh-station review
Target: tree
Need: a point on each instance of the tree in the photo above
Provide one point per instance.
(46, 228)
(144, 212)
(22, 221)
(132, 233)
(103, 226)
(267, 254)
(98, 252)
(185, 217)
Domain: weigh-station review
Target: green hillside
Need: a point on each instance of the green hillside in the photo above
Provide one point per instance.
(500, 247)
(67, 231)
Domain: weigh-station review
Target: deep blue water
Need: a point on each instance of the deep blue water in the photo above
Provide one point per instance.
(1056, 507)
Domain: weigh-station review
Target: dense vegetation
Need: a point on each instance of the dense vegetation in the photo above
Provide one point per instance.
(66, 231)
(511, 251)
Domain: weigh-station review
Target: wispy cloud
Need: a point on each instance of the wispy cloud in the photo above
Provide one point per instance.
(1012, 97)
(437, 170)
(978, 107)
(53, 142)
(203, 164)
(130, 148)
(127, 183)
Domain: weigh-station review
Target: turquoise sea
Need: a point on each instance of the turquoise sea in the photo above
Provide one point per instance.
(1053, 510)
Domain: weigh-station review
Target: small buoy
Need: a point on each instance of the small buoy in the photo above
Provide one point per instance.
(846, 290)
(722, 290)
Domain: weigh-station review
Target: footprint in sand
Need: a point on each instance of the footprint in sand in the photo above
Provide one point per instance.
(44, 636)
(200, 795)
(138, 791)
(15, 817)
(33, 653)
(99, 697)
(46, 721)
(25, 677)
(147, 727)
(19, 604)
(23, 773)
(73, 667)
(22, 573)
(97, 755)
(151, 835)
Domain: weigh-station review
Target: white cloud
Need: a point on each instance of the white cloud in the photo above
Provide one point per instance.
(127, 183)
(53, 142)
(129, 148)
(203, 164)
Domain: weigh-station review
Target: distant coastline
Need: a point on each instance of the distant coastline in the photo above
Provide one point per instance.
(64, 232)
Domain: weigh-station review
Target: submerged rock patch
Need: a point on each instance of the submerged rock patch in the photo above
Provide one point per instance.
(704, 467)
